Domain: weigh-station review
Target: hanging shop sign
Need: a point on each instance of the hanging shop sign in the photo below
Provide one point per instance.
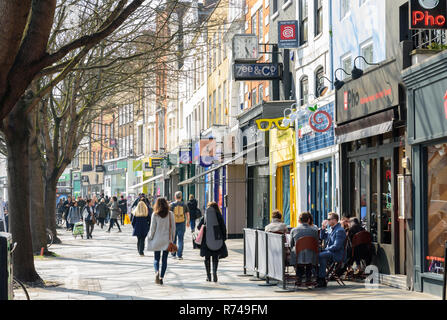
(207, 152)
(428, 14)
(100, 168)
(377, 90)
(155, 162)
(257, 71)
(268, 124)
(288, 34)
(185, 156)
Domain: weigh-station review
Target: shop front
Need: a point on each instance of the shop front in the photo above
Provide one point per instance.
(317, 162)
(370, 119)
(115, 176)
(283, 181)
(427, 135)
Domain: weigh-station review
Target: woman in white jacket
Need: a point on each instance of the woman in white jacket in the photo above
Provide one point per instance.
(161, 233)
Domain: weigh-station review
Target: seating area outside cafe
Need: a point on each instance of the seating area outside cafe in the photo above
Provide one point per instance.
(309, 256)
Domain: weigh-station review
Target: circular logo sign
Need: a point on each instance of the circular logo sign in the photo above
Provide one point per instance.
(429, 4)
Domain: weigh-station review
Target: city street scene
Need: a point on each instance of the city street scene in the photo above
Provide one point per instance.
(271, 150)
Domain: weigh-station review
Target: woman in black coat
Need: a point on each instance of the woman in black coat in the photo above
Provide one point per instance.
(193, 212)
(213, 239)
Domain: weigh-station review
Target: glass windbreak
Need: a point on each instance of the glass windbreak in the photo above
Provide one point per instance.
(436, 206)
(352, 189)
(386, 201)
(363, 193)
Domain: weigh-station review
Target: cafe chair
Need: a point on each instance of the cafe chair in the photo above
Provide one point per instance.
(306, 243)
(335, 269)
(364, 239)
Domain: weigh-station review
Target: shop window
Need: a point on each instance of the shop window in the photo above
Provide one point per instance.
(436, 206)
(374, 201)
(387, 138)
(387, 200)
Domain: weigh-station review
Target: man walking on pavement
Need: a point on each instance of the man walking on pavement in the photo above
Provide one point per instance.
(181, 215)
(123, 206)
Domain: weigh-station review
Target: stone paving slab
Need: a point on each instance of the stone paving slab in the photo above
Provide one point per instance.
(109, 267)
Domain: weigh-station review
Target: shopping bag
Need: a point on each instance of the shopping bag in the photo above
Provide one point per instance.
(199, 237)
(126, 219)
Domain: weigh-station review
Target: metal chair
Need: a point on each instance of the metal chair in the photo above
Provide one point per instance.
(334, 270)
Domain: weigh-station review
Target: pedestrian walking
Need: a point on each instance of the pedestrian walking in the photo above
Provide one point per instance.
(74, 215)
(194, 212)
(213, 239)
(161, 234)
(140, 224)
(67, 204)
(181, 214)
(114, 213)
(89, 218)
(123, 206)
(101, 211)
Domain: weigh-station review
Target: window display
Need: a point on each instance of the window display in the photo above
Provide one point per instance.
(436, 206)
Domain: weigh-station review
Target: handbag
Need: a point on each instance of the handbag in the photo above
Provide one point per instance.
(198, 239)
(172, 247)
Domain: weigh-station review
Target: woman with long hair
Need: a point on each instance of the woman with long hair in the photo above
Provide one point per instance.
(161, 233)
(140, 224)
(213, 240)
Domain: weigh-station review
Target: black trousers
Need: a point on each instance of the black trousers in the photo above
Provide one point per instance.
(208, 263)
(140, 244)
(113, 221)
(101, 222)
(304, 269)
(89, 226)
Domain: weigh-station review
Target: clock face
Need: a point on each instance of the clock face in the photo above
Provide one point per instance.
(245, 47)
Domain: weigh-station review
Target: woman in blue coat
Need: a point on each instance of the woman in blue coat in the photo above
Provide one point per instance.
(140, 224)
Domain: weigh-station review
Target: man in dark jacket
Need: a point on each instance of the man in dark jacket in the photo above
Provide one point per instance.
(102, 212)
(122, 204)
(194, 212)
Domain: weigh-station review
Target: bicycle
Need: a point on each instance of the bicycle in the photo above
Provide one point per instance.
(16, 283)
(50, 238)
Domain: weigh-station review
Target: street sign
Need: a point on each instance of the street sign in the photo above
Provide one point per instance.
(428, 14)
(288, 35)
(155, 162)
(164, 163)
(257, 71)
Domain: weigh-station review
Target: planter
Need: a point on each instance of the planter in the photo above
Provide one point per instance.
(419, 55)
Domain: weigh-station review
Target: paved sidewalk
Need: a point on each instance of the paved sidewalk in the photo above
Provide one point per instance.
(109, 267)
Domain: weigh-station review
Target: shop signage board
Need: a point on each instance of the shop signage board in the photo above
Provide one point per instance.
(155, 162)
(377, 90)
(207, 152)
(185, 156)
(428, 14)
(257, 71)
(288, 34)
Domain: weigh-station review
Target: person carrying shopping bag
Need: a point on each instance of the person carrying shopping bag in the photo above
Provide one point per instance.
(213, 239)
(140, 224)
(161, 237)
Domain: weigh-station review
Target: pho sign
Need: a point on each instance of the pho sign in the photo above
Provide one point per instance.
(428, 14)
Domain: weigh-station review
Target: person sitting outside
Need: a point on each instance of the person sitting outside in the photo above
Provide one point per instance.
(361, 252)
(306, 258)
(335, 246)
(276, 226)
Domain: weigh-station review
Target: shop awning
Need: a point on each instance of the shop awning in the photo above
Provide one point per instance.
(239, 155)
(146, 181)
(364, 128)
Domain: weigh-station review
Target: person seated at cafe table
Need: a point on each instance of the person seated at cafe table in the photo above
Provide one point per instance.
(334, 249)
(276, 226)
(307, 258)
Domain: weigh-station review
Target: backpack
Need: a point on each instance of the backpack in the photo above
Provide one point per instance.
(179, 213)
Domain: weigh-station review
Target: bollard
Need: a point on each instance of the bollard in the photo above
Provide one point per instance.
(41, 251)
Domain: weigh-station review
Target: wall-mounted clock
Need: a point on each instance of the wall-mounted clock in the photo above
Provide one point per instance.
(245, 47)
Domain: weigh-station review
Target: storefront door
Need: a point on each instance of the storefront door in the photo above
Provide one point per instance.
(258, 198)
(319, 189)
(285, 193)
(371, 175)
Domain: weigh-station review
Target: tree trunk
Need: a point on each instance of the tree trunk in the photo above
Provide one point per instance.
(50, 208)
(37, 212)
(18, 137)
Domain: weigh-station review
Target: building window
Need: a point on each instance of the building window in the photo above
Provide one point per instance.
(436, 207)
(219, 104)
(304, 22)
(215, 107)
(254, 24)
(253, 97)
(319, 81)
(304, 90)
(260, 22)
(261, 93)
(275, 6)
(346, 64)
(345, 7)
(318, 17)
(367, 51)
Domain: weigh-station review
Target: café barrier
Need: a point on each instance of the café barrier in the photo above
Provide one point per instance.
(264, 253)
(250, 239)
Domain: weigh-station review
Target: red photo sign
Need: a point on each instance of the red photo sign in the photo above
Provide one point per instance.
(428, 14)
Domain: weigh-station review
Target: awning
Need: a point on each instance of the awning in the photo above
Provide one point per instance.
(239, 155)
(371, 126)
(146, 181)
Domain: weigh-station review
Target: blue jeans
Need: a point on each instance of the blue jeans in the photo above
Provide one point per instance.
(179, 233)
(164, 262)
(193, 224)
(323, 258)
